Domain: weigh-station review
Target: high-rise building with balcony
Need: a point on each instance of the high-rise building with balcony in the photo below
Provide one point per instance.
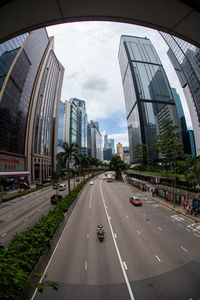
(30, 87)
(185, 59)
(148, 96)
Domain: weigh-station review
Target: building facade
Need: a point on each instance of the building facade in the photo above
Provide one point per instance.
(75, 124)
(120, 150)
(187, 135)
(31, 81)
(111, 144)
(95, 145)
(61, 126)
(126, 155)
(148, 96)
(185, 59)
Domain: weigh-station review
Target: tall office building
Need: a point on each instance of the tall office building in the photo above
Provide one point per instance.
(185, 59)
(60, 126)
(75, 124)
(105, 142)
(187, 135)
(148, 97)
(126, 154)
(120, 150)
(82, 124)
(30, 82)
(111, 144)
(95, 145)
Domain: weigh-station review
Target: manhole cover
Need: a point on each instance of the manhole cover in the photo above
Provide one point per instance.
(147, 219)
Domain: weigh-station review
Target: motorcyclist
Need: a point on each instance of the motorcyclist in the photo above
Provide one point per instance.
(100, 229)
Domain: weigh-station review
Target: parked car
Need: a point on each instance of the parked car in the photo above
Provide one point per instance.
(21, 191)
(91, 182)
(55, 186)
(135, 201)
(56, 198)
(62, 187)
(46, 180)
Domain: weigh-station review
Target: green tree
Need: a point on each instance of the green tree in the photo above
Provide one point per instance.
(141, 154)
(195, 169)
(69, 151)
(169, 145)
(84, 162)
(117, 165)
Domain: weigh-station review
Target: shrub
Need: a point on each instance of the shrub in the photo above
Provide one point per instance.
(24, 250)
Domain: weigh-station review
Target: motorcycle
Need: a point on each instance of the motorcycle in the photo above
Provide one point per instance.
(100, 233)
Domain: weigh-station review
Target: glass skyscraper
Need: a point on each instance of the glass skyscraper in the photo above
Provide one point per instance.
(185, 59)
(75, 124)
(60, 126)
(30, 86)
(187, 135)
(148, 96)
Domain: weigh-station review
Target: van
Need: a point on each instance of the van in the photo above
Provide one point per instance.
(62, 187)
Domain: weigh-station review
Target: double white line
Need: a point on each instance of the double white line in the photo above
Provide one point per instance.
(117, 249)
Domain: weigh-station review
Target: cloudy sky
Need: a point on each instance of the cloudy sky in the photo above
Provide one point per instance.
(89, 53)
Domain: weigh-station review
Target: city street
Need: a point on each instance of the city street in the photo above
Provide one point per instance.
(149, 252)
(16, 215)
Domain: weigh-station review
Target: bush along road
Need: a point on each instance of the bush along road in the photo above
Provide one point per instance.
(18, 260)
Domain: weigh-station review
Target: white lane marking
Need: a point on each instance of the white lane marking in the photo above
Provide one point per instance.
(187, 229)
(177, 218)
(115, 235)
(125, 266)
(3, 234)
(109, 217)
(87, 235)
(158, 258)
(160, 228)
(25, 220)
(127, 216)
(155, 205)
(172, 220)
(139, 233)
(118, 253)
(184, 249)
(86, 266)
(44, 273)
(197, 235)
(90, 204)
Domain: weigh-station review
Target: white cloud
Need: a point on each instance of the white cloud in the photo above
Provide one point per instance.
(89, 54)
(120, 137)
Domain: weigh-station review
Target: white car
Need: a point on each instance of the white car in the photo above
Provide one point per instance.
(91, 183)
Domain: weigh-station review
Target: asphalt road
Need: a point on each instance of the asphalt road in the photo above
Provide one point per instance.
(149, 252)
(16, 215)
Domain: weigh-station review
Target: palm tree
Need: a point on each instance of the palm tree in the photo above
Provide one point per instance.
(117, 165)
(69, 151)
(84, 162)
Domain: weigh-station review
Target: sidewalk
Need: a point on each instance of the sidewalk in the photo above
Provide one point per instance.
(178, 209)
